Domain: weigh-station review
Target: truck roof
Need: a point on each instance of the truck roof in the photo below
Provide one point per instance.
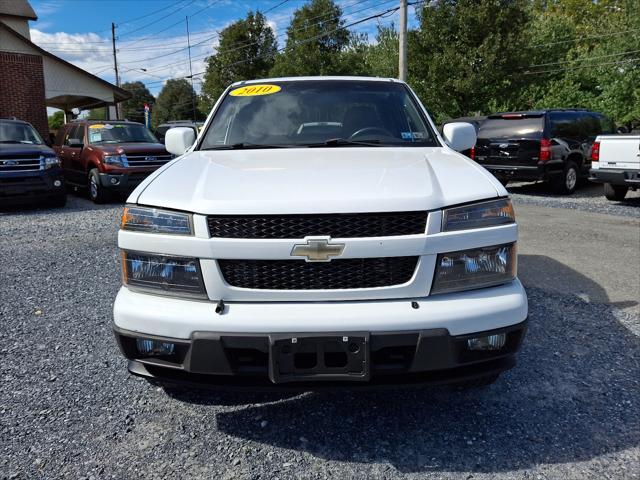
(304, 79)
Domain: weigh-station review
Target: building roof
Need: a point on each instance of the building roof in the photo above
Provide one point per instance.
(118, 93)
(17, 8)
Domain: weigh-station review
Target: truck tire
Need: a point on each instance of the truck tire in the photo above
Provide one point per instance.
(566, 183)
(615, 192)
(97, 193)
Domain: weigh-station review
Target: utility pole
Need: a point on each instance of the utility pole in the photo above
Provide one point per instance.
(402, 48)
(193, 100)
(115, 63)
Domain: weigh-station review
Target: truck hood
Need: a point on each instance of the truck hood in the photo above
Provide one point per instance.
(327, 180)
(133, 148)
(24, 150)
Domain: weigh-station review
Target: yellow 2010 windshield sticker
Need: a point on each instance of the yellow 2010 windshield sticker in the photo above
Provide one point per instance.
(254, 90)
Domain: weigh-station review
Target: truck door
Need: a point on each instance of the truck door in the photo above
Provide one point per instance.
(73, 153)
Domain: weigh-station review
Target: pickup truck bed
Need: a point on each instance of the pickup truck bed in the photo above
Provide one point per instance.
(616, 164)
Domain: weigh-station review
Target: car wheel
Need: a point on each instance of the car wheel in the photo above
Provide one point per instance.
(97, 193)
(477, 383)
(59, 201)
(567, 182)
(615, 192)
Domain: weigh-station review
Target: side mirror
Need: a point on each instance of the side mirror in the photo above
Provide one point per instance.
(460, 135)
(75, 143)
(179, 139)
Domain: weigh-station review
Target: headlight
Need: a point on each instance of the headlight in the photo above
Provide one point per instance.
(50, 162)
(163, 274)
(153, 220)
(117, 160)
(476, 268)
(478, 215)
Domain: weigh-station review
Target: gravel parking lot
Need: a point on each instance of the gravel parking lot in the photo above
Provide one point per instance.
(570, 409)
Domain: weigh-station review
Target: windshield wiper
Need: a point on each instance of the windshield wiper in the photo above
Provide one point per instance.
(247, 146)
(339, 142)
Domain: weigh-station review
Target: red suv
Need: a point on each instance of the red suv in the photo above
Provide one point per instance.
(108, 156)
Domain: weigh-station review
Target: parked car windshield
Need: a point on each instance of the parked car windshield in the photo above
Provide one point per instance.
(318, 112)
(19, 133)
(100, 133)
(517, 127)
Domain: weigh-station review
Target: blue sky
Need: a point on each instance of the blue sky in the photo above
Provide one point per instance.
(151, 34)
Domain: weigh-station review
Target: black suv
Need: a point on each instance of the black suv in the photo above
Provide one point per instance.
(29, 169)
(553, 145)
(162, 129)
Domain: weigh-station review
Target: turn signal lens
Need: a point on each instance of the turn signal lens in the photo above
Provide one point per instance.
(476, 268)
(478, 215)
(154, 348)
(491, 342)
(595, 152)
(154, 220)
(545, 150)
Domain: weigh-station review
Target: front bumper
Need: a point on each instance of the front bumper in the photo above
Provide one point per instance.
(247, 360)
(123, 182)
(423, 344)
(29, 186)
(629, 178)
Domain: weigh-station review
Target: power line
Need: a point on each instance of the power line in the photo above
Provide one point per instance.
(158, 20)
(274, 7)
(584, 38)
(584, 59)
(242, 46)
(578, 67)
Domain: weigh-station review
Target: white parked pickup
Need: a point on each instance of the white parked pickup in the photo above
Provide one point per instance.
(320, 231)
(615, 162)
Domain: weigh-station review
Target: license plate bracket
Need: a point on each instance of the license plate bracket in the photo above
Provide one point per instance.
(313, 357)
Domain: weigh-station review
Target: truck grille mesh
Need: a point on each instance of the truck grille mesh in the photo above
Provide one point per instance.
(336, 275)
(351, 225)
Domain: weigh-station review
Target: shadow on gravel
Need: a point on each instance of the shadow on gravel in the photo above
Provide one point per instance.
(573, 396)
(554, 276)
(75, 203)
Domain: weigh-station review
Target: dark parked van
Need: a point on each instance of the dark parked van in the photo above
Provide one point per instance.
(553, 145)
(29, 169)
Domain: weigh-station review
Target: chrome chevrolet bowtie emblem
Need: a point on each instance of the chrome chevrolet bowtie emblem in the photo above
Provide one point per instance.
(317, 249)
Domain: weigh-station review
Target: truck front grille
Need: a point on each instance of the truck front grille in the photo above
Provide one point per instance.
(148, 160)
(30, 164)
(350, 225)
(300, 275)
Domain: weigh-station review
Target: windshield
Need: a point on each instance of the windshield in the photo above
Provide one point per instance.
(120, 133)
(312, 113)
(522, 127)
(19, 133)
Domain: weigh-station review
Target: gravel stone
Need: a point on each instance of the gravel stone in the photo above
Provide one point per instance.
(569, 409)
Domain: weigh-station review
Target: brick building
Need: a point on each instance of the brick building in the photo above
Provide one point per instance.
(32, 79)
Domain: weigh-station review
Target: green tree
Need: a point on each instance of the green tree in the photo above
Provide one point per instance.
(315, 38)
(133, 109)
(247, 50)
(56, 120)
(99, 113)
(381, 58)
(174, 102)
(467, 54)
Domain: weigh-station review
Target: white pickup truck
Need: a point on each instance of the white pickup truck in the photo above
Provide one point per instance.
(319, 231)
(615, 162)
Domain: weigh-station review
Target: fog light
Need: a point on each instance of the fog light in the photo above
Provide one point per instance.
(114, 181)
(491, 342)
(57, 183)
(149, 347)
